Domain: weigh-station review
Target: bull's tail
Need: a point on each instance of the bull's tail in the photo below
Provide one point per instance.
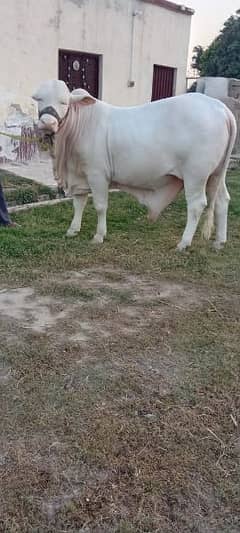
(208, 225)
(219, 177)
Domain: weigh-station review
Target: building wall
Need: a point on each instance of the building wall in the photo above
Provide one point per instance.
(228, 91)
(32, 32)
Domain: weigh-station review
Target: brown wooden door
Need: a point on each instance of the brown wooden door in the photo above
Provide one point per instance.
(163, 82)
(79, 71)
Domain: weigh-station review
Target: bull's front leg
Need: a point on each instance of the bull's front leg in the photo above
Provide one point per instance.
(100, 200)
(79, 203)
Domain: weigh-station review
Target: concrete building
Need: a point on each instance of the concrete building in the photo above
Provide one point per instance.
(126, 52)
(123, 51)
(228, 91)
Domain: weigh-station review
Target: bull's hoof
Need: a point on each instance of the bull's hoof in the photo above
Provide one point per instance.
(152, 217)
(72, 233)
(182, 246)
(218, 245)
(97, 239)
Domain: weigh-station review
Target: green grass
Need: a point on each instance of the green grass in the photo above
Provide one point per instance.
(137, 430)
(132, 242)
(19, 191)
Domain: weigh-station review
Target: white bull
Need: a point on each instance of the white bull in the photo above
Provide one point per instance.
(151, 151)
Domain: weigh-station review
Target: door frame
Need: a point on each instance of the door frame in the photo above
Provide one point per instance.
(175, 72)
(100, 65)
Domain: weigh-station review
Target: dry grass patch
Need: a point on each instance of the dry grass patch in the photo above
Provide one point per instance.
(119, 378)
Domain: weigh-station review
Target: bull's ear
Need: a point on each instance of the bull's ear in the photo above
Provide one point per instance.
(82, 97)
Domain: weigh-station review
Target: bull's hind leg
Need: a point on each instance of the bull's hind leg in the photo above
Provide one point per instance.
(218, 207)
(221, 215)
(79, 202)
(195, 193)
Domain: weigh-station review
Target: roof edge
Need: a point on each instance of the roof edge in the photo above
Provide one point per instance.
(171, 6)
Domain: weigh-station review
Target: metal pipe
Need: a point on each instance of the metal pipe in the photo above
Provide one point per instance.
(131, 82)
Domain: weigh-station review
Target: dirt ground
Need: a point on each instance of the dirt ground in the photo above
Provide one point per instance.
(119, 375)
(97, 434)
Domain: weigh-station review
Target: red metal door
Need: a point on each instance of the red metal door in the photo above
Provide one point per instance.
(79, 71)
(163, 82)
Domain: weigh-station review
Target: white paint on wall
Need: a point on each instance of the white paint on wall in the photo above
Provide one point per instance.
(32, 32)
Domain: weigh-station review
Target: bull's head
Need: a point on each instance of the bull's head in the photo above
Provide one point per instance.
(54, 99)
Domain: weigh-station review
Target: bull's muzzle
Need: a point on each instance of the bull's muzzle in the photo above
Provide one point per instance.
(49, 120)
(50, 111)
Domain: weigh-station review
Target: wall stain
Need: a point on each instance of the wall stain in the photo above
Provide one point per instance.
(118, 5)
(55, 21)
(78, 3)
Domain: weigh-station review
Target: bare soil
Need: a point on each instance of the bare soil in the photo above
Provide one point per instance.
(98, 431)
